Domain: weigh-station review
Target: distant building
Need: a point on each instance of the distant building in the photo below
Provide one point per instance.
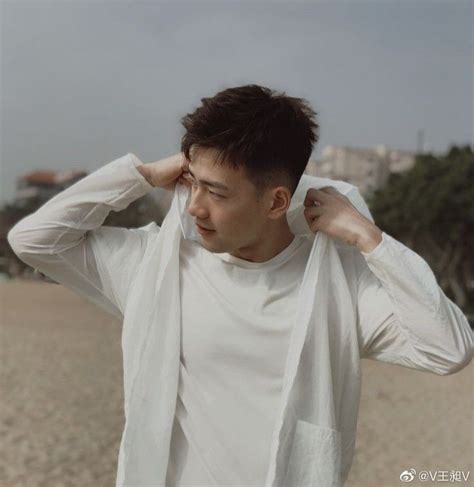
(366, 168)
(41, 185)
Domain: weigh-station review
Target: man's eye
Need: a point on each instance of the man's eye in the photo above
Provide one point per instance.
(216, 195)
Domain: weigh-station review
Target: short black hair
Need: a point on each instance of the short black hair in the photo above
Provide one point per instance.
(270, 135)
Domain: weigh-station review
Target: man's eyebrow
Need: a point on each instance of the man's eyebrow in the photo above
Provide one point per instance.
(213, 184)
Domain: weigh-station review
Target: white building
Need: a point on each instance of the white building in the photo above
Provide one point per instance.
(366, 168)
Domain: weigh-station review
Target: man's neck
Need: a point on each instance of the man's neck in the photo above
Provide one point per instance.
(275, 241)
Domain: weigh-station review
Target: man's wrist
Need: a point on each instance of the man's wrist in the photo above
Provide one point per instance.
(369, 239)
(143, 170)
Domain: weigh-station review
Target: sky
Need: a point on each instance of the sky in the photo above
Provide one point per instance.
(85, 82)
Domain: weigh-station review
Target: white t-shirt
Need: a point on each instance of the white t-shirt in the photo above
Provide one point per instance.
(235, 328)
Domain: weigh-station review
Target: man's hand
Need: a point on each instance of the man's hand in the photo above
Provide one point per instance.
(166, 172)
(331, 212)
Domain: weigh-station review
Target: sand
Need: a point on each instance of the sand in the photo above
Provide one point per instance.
(61, 415)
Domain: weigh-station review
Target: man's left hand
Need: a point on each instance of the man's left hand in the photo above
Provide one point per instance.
(329, 211)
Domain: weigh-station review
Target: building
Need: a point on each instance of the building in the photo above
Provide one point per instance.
(366, 168)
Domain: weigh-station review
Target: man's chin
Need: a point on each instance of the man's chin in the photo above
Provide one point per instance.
(211, 246)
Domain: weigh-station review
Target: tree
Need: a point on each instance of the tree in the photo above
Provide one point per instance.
(430, 208)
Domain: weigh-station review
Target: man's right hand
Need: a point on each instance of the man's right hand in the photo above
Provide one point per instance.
(166, 172)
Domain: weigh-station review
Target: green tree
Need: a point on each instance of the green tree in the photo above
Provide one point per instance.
(430, 208)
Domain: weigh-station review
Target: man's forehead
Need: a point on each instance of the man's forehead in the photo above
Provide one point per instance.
(206, 155)
(204, 161)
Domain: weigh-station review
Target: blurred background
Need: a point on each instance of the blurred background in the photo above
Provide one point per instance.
(85, 82)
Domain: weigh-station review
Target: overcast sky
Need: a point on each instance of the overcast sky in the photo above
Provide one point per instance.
(85, 82)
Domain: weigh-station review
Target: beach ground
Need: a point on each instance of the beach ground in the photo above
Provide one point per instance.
(61, 415)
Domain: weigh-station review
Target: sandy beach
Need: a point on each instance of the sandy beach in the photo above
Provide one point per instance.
(61, 415)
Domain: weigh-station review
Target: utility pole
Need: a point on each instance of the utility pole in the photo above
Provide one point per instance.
(420, 136)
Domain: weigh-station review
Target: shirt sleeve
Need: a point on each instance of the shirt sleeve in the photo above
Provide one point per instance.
(404, 317)
(65, 241)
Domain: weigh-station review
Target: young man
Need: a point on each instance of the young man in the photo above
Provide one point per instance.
(246, 313)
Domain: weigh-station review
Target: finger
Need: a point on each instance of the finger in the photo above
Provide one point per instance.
(185, 165)
(313, 212)
(307, 201)
(313, 222)
(314, 195)
(184, 181)
(330, 190)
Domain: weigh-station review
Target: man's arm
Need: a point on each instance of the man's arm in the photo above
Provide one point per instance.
(64, 239)
(404, 317)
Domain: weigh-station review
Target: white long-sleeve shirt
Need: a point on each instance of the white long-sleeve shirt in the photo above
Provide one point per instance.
(384, 305)
(236, 321)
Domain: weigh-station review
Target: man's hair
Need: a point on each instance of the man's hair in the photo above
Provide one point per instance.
(270, 135)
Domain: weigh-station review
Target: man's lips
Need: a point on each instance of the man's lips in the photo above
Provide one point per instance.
(204, 228)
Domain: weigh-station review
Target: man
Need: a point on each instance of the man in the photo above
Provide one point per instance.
(247, 312)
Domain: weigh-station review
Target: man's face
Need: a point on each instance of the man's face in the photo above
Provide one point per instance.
(225, 201)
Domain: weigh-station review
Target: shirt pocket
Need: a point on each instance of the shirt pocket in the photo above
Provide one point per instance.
(315, 457)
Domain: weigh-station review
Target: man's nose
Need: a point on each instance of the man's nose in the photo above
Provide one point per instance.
(196, 207)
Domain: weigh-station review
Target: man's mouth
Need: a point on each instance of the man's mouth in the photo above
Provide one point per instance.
(203, 229)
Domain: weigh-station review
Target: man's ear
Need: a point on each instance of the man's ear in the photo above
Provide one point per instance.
(279, 202)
